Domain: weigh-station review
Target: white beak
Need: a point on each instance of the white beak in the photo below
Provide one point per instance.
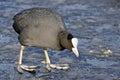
(75, 44)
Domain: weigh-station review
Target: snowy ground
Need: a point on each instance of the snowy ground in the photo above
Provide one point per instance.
(96, 23)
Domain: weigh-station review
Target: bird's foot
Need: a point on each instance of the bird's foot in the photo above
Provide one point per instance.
(59, 66)
(20, 68)
(56, 66)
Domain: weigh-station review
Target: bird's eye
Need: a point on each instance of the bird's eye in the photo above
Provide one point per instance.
(70, 36)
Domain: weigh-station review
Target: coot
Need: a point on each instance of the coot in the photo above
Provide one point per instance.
(42, 27)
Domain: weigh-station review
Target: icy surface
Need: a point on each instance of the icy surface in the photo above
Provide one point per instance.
(96, 23)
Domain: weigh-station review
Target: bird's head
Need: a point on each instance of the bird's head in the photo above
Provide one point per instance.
(67, 41)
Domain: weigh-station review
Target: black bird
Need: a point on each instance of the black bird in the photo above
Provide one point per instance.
(42, 27)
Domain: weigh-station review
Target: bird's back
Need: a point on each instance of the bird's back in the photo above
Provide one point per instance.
(37, 17)
(38, 27)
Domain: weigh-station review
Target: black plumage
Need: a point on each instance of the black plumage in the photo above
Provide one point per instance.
(42, 27)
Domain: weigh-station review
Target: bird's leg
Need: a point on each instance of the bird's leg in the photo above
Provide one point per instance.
(24, 67)
(54, 66)
(47, 60)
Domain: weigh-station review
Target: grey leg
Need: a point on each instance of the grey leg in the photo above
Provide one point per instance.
(47, 60)
(24, 67)
(55, 66)
(21, 53)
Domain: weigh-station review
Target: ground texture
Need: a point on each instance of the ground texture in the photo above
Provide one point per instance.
(96, 23)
